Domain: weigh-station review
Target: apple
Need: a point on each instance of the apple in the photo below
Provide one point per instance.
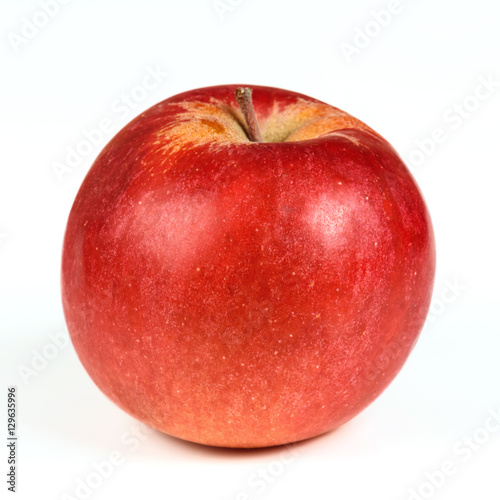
(246, 269)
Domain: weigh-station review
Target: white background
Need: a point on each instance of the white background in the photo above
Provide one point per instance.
(405, 79)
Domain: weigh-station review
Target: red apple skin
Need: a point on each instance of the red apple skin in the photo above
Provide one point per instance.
(245, 294)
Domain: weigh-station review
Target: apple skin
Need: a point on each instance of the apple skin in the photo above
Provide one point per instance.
(244, 294)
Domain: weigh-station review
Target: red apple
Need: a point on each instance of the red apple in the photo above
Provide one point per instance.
(240, 293)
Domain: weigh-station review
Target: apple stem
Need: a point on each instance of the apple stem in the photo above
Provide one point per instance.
(244, 98)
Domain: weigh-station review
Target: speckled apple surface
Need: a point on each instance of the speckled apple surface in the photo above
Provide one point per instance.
(245, 294)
